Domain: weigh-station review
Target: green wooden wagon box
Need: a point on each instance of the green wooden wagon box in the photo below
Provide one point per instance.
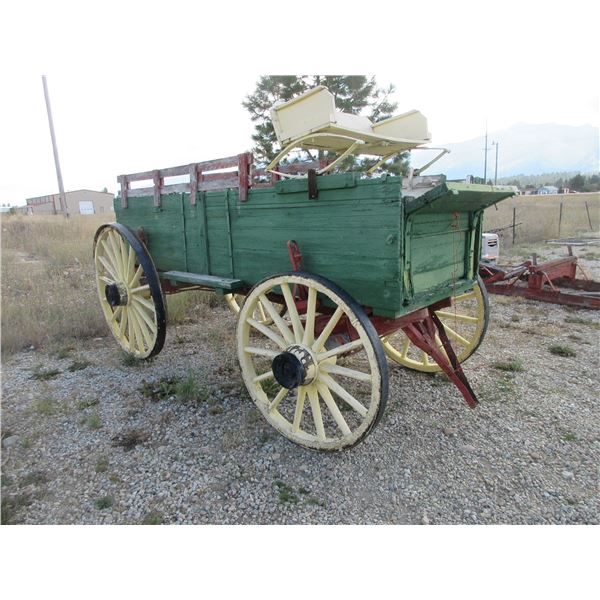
(329, 274)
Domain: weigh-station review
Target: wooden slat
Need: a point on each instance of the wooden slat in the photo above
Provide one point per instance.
(209, 165)
(124, 190)
(212, 281)
(193, 169)
(221, 184)
(157, 179)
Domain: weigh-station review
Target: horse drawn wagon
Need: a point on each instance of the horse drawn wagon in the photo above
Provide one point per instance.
(328, 273)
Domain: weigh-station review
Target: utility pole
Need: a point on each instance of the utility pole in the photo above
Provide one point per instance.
(485, 153)
(61, 189)
(496, 169)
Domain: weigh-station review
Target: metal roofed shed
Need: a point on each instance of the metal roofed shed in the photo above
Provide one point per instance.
(311, 121)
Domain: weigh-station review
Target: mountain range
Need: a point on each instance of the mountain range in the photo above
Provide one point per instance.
(522, 149)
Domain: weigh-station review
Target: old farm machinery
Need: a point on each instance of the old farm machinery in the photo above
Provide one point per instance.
(328, 273)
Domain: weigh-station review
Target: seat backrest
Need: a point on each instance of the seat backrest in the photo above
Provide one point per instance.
(310, 111)
(411, 125)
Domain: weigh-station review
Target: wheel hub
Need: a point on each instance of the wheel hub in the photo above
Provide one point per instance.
(116, 294)
(294, 367)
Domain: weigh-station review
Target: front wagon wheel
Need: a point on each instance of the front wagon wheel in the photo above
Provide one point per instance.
(129, 289)
(318, 375)
(465, 323)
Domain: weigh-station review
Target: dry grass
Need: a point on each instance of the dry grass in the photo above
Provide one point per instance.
(539, 216)
(48, 287)
(48, 283)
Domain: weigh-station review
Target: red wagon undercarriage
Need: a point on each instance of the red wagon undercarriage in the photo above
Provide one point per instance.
(420, 326)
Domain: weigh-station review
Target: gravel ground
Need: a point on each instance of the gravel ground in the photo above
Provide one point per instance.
(87, 446)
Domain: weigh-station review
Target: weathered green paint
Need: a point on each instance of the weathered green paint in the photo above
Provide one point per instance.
(390, 253)
(221, 283)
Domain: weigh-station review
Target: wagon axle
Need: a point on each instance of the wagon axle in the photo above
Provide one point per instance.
(116, 294)
(294, 367)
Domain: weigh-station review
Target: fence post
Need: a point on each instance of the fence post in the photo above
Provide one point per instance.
(587, 209)
(560, 218)
(514, 223)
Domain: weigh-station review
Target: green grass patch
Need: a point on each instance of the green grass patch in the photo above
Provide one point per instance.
(79, 365)
(64, 352)
(562, 351)
(45, 374)
(513, 365)
(569, 436)
(286, 493)
(45, 406)
(153, 518)
(104, 502)
(101, 465)
(87, 403)
(581, 321)
(93, 421)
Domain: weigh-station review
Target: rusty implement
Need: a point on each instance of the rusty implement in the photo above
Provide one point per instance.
(554, 281)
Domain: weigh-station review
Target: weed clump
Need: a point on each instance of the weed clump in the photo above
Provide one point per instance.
(562, 351)
(514, 365)
(131, 438)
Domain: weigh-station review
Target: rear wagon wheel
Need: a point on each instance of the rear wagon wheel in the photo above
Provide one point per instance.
(465, 323)
(129, 290)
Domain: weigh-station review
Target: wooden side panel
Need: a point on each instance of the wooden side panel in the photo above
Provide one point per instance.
(351, 234)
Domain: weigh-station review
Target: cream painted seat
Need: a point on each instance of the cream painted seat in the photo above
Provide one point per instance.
(311, 121)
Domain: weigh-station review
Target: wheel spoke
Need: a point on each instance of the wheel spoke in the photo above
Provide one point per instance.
(293, 312)
(267, 332)
(145, 318)
(140, 289)
(261, 351)
(333, 321)
(137, 331)
(277, 400)
(456, 316)
(279, 322)
(309, 324)
(123, 324)
(337, 389)
(117, 312)
(110, 256)
(345, 372)
(106, 280)
(405, 347)
(108, 266)
(263, 377)
(261, 310)
(340, 350)
(123, 254)
(424, 357)
(118, 259)
(333, 409)
(465, 296)
(315, 407)
(455, 336)
(137, 276)
(144, 302)
(130, 264)
(299, 409)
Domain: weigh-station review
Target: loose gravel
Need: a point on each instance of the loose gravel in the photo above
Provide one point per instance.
(96, 444)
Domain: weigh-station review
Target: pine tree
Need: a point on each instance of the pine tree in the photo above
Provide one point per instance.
(356, 94)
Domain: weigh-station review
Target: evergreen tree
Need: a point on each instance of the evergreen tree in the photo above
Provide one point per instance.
(355, 94)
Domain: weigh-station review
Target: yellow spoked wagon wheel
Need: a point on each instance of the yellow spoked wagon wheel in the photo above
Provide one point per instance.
(465, 323)
(129, 291)
(317, 388)
(235, 301)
